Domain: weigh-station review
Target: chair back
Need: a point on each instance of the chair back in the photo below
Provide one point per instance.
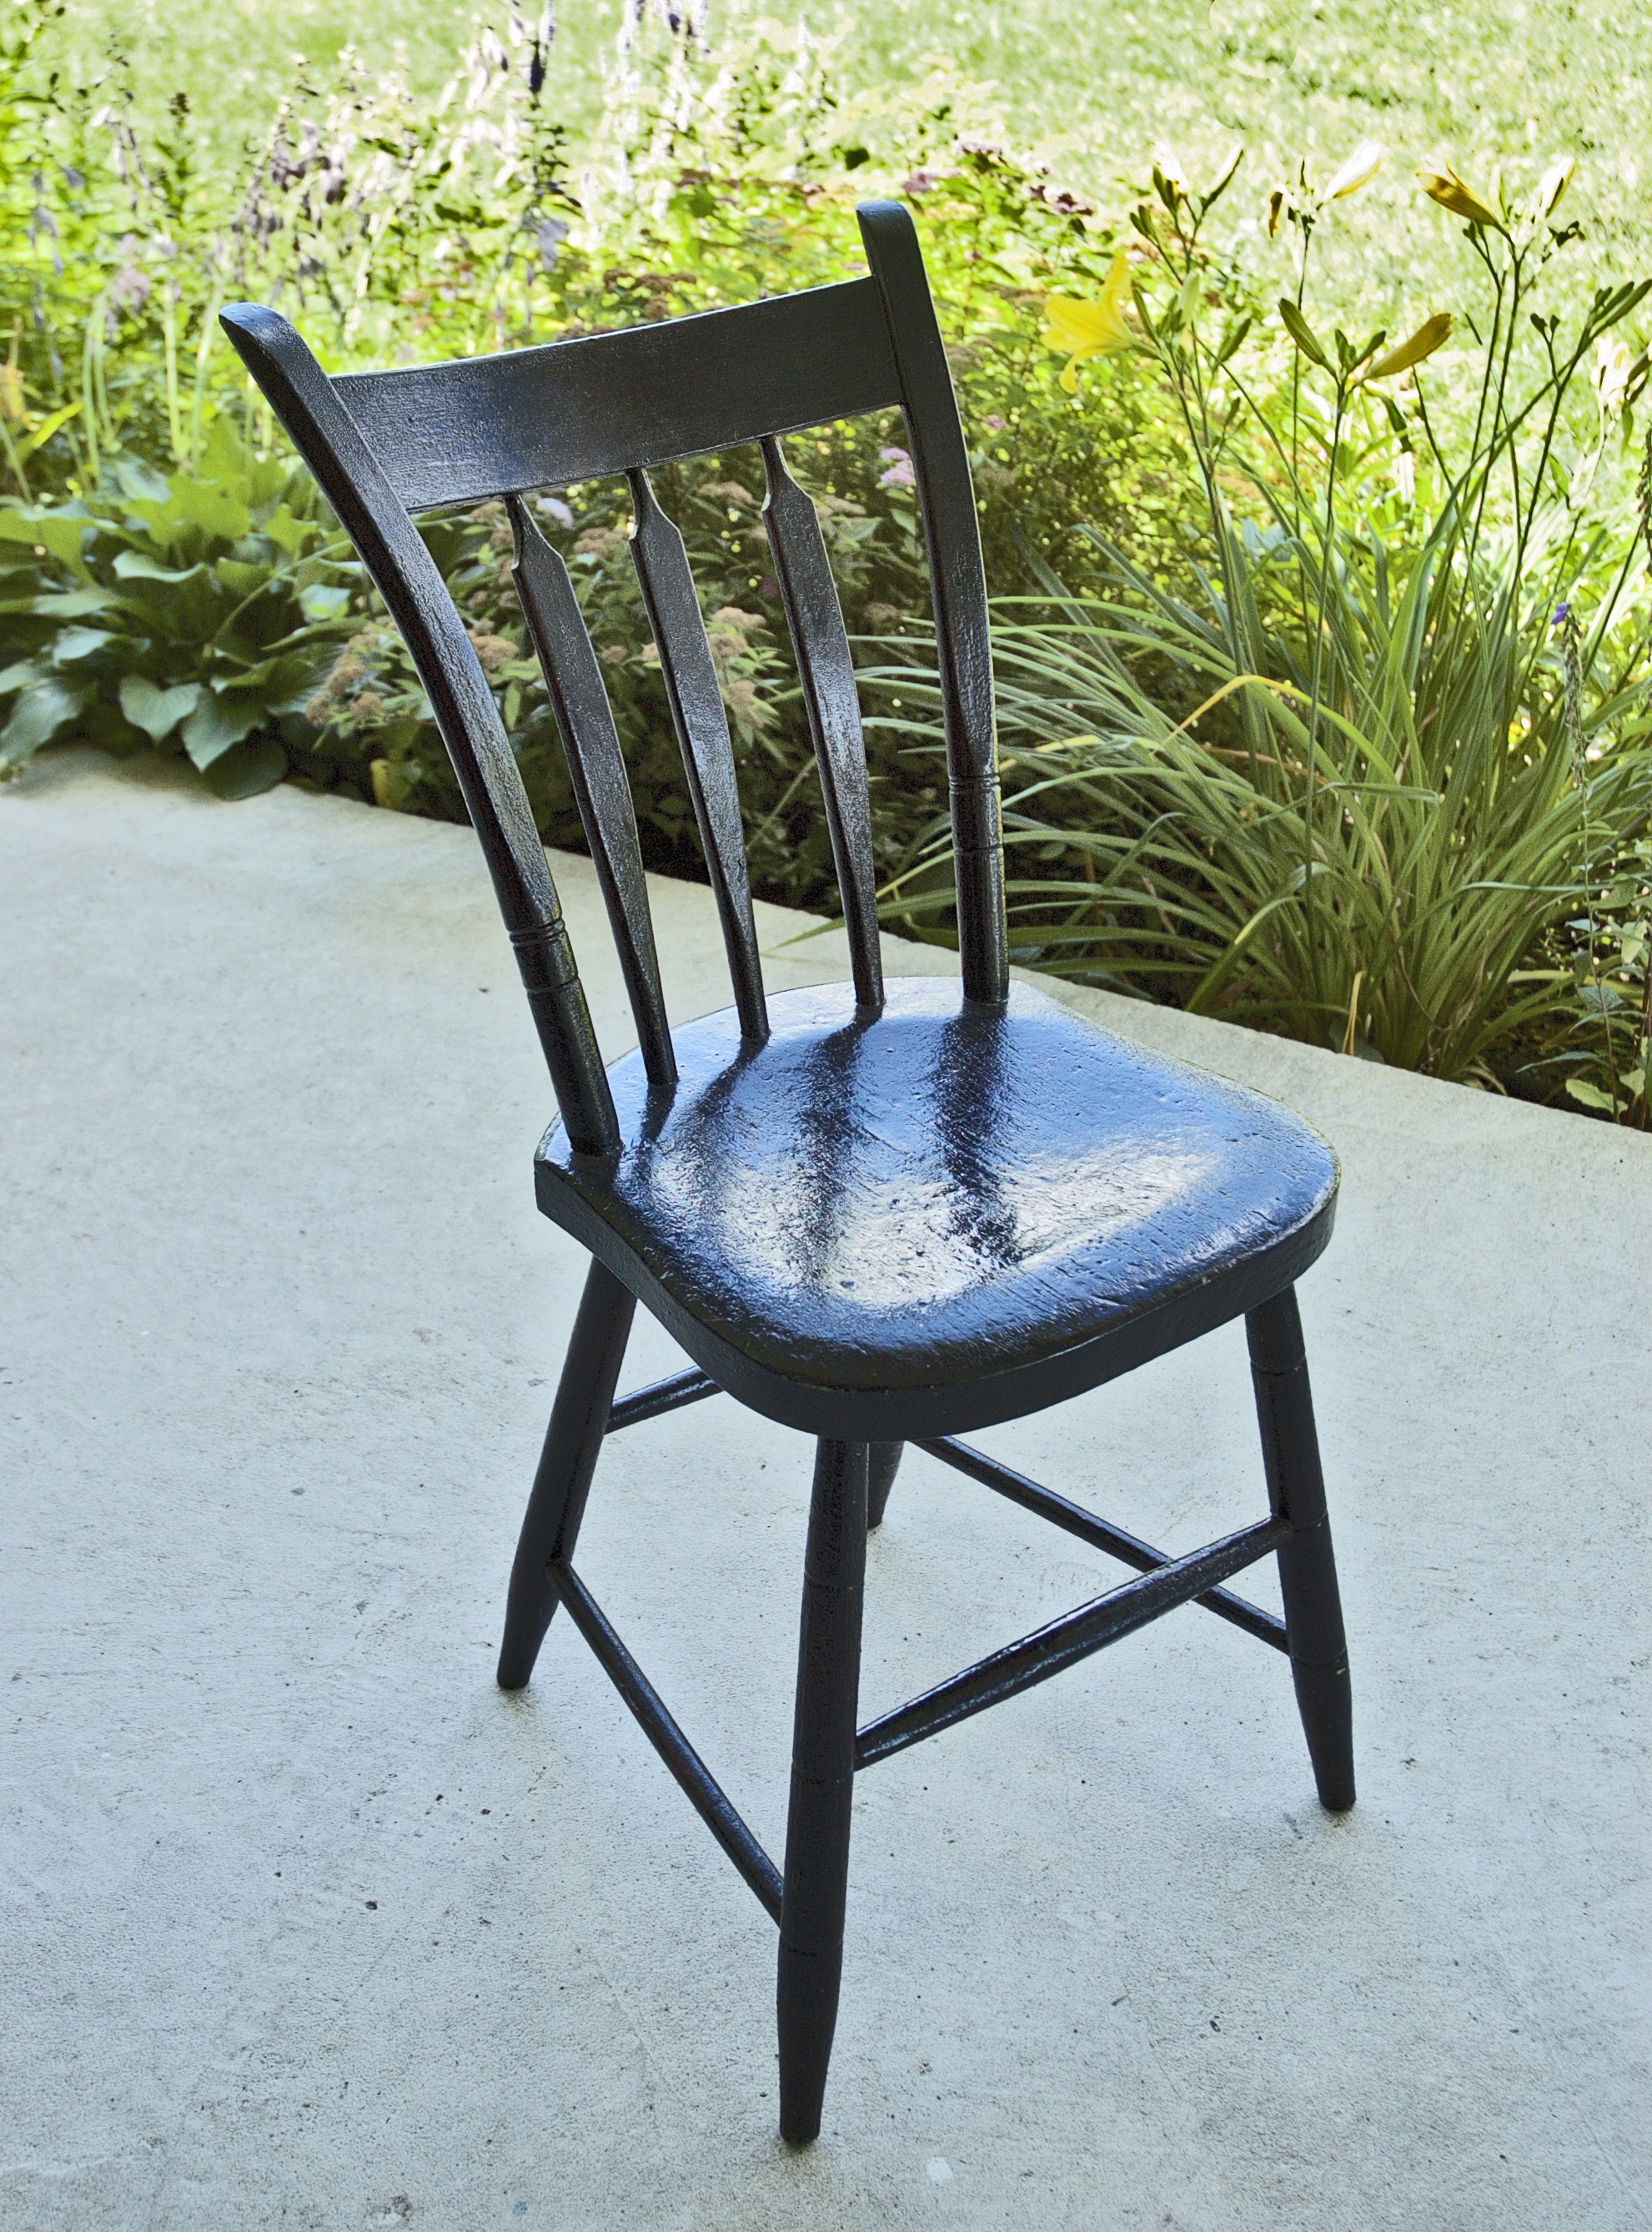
(387, 445)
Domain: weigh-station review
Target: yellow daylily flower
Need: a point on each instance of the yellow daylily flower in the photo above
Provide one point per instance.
(1551, 186)
(1358, 170)
(1431, 335)
(1086, 329)
(1445, 187)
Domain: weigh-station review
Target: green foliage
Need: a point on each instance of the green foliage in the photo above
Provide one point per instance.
(1393, 741)
(391, 228)
(186, 614)
(1322, 660)
(370, 704)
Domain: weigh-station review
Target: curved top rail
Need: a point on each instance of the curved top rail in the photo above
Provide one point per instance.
(583, 410)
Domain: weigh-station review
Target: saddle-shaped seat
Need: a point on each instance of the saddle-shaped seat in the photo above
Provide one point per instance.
(940, 1216)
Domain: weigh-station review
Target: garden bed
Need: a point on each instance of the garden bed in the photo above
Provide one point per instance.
(1321, 615)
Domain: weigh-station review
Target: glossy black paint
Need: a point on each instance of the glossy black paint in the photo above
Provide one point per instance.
(580, 1418)
(941, 1217)
(601, 787)
(823, 1779)
(882, 1462)
(701, 728)
(652, 1402)
(827, 674)
(584, 410)
(707, 1795)
(356, 482)
(878, 1215)
(1062, 1642)
(1296, 1489)
(947, 501)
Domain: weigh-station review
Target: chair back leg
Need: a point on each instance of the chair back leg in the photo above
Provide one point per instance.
(573, 1443)
(882, 1462)
(823, 1775)
(1296, 1489)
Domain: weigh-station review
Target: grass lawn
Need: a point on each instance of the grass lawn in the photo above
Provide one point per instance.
(1091, 85)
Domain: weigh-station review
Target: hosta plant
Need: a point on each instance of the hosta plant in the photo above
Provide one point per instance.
(194, 612)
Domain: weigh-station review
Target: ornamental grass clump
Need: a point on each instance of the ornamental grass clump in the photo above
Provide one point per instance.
(1353, 783)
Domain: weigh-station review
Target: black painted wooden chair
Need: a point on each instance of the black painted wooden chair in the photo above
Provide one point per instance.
(878, 1215)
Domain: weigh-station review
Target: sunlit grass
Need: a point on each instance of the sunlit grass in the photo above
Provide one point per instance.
(1092, 82)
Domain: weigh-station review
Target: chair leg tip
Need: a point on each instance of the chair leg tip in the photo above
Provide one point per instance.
(519, 1647)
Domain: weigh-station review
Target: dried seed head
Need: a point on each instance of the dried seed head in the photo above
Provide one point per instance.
(492, 649)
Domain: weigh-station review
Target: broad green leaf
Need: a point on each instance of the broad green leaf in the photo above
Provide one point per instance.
(73, 604)
(186, 608)
(132, 565)
(38, 716)
(155, 710)
(253, 676)
(287, 533)
(284, 683)
(244, 578)
(1302, 332)
(60, 533)
(21, 674)
(218, 722)
(71, 644)
(321, 602)
(139, 481)
(214, 510)
(227, 460)
(245, 769)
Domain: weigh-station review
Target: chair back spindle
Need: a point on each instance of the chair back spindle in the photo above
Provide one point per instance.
(385, 446)
(701, 726)
(958, 588)
(601, 790)
(371, 513)
(827, 674)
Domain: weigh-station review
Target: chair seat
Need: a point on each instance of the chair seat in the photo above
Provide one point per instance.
(941, 1217)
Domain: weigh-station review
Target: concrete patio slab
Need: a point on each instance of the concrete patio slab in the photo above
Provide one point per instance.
(305, 1925)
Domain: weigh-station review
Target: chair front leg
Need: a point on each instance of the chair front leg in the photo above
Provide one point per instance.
(882, 1462)
(823, 1775)
(1296, 1490)
(573, 1443)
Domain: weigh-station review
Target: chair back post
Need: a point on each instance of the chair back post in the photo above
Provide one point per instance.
(391, 548)
(946, 495)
